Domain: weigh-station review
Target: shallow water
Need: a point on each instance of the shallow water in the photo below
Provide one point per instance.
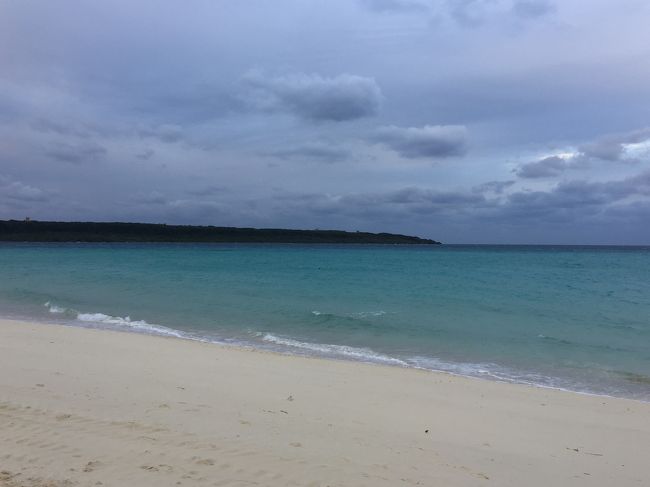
(567, 317)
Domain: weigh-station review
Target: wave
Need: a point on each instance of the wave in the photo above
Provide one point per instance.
(116, 321)
(488, 371)
(360, 354)
(360, 314)
(54, 309)
(128, 323)
(551, 340)
(483, 370)
(268, 341)
(559, 341)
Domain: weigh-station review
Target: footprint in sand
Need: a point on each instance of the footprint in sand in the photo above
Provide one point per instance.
(205, 461)
(91, 466)
(158, 468)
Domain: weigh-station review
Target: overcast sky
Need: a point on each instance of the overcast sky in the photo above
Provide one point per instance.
(468, 121)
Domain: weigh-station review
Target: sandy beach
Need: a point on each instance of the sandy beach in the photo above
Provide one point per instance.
(88, 407)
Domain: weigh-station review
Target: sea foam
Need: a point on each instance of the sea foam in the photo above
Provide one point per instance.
(116, 321)
(360, 354)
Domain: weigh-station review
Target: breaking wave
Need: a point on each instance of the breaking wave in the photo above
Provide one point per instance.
(126, 322)
(323, 349)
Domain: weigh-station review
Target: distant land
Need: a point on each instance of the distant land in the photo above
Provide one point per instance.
(39, 231)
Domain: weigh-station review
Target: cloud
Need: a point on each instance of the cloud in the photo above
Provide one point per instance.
(207, 191)
(613, 147)
(532, 8)
(76, 153)
(16, 190)
(566, 203)
(404, 203)
(151, 198)
(169, 133)
(496, 187)
(574, 200)
(469, 13)
(415, 196)
(544, 168)
(395, 5)
(318, 152)
(146, 154)
(313, 97)
(466, 13)
(430, 141)
(516, 73)
(46, 125)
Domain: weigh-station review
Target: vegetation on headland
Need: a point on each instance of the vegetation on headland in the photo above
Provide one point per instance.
(39, 231)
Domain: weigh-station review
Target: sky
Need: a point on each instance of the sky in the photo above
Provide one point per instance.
(466, 121)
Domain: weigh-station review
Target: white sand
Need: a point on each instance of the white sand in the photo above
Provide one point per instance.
(88, 407)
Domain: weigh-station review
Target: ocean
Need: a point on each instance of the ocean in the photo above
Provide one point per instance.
(575, 318)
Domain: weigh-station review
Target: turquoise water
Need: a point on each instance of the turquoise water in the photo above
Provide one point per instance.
(567, 317)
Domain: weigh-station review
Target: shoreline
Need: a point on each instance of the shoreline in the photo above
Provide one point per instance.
(81, 406)
(151, 329)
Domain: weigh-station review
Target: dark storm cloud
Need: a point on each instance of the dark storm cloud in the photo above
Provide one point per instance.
(76, 153)
(318, 152)
(430, 141)
(314, 97)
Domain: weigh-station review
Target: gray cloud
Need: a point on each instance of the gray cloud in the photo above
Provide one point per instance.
(599, 206)
(126, 85)
(430, 141)
(169, 133)
(497, 187)
(424, 198)
(207, 191)
(396, 5)
(612, 147)
(76, 153)
(16, 190)
(544, 168)
(60, 128)
(427, 200)
(146, 154)
(313, 97)
(151, 198)
(466, 13)
(575, 199)
(318, 152)
(532, 8)
(469, 13)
